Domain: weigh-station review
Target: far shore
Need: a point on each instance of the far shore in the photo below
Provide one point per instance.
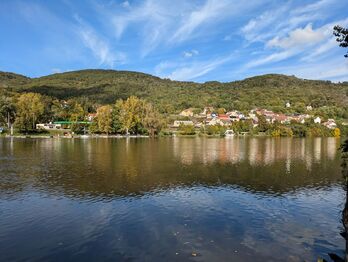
(47, 136)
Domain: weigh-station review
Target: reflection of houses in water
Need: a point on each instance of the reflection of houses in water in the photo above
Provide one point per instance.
(331, 147)
(254, 155)
(269, 151)
(256, 151)
(317, 149)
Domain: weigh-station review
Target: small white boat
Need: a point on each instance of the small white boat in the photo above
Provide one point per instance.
(229, 133)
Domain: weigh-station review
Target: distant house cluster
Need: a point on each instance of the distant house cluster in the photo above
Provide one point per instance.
(210, 116)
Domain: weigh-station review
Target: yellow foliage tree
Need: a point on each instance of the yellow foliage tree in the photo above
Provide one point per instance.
(29, 109)
(104, 119)
(336, 132)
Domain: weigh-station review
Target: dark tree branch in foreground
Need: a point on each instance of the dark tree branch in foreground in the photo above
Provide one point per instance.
(341, 34)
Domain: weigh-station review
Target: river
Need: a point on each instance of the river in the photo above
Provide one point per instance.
(170, 199)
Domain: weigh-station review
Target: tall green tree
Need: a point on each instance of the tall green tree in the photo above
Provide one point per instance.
(29, 109)
(7, 111)
(152, 120)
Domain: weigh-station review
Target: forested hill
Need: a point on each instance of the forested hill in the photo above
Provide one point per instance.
(105, 86)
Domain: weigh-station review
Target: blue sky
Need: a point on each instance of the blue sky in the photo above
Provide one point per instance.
(194, 40)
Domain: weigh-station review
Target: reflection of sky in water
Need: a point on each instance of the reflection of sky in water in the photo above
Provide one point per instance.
(216, 223)
(248, 199)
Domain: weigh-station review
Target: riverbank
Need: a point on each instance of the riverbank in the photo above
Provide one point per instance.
(75, 136)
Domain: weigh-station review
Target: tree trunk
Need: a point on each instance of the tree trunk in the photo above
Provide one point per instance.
(8, 120)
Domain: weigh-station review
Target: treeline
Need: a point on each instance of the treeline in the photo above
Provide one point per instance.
(130, 116)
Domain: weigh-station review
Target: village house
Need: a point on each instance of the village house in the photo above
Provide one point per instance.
(299, 118)
(287, 105)
(309, 108)
(225, 119)
(187, 112)
(178, 123)
(317, 120)
(235, 116)
(207, 111)
(331, 124)
(216, 122)
(49, 126)
(281, 118)
(90, 117)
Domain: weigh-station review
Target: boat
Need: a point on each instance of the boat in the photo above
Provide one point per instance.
(229, 133)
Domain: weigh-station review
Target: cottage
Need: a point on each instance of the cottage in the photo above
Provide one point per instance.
(216, 122)
(281, 118)
(90, 117)
(223, 117)
(288, 105)
(331, 124)
(309, 108)
(317, 120)
(207, 110)
(235, 115)
(49, 126)
(187, 112)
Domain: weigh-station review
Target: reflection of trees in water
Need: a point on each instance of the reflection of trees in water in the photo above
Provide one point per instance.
(122, 167)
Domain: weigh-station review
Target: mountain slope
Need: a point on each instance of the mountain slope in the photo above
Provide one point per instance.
(105, 86)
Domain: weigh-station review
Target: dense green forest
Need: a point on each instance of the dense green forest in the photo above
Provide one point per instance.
(99, 87)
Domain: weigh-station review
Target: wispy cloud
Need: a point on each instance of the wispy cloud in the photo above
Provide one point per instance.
(273, 57)
(100, 48)
(208, 12)
(194, 70)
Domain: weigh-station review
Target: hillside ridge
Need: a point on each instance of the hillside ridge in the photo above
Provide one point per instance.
(98, 86)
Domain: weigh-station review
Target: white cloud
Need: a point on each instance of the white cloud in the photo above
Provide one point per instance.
(310, 43)
(191, 53)
(283, 19)
(298, 38)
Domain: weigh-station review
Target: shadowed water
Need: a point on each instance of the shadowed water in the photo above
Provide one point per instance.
(176, 199)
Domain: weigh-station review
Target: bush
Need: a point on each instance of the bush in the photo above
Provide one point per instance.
(187, 129)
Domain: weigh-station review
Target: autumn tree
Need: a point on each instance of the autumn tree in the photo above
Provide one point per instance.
(152, 120)
(104, 119)
(129, 113)
(29, 109)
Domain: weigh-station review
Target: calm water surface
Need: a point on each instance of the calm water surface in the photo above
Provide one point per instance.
(176, 199)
